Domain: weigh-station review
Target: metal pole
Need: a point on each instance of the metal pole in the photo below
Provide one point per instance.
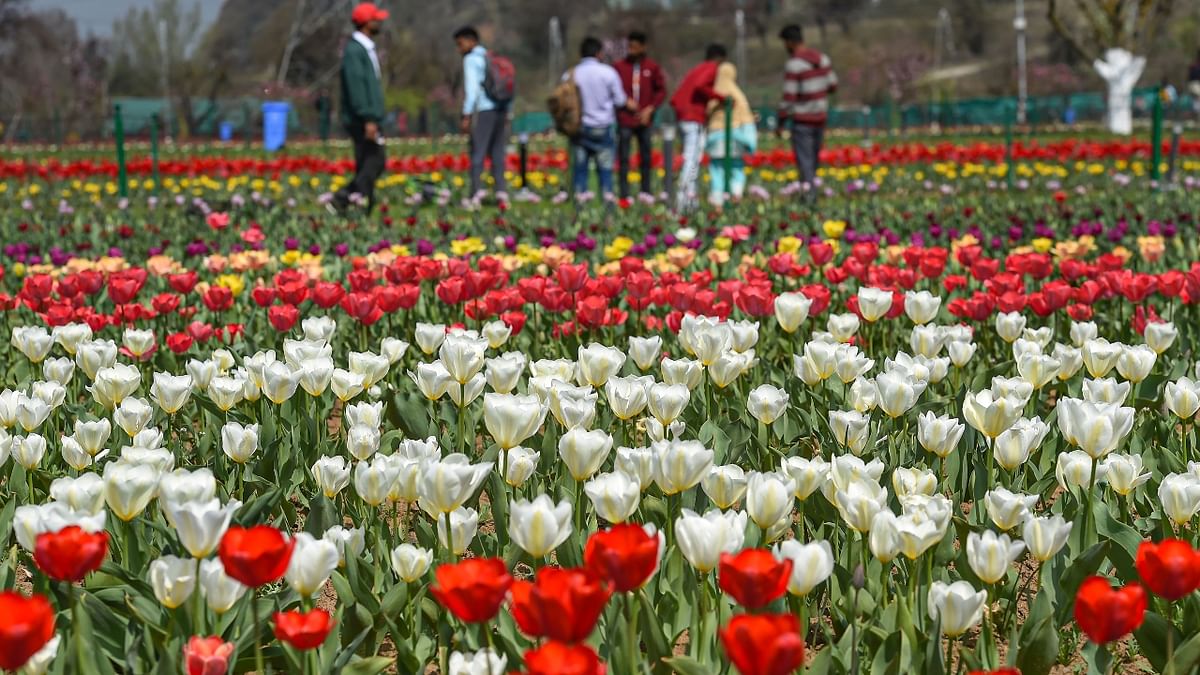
(165, 75)
(119, 136)
(1156, 137)
(1020, 24)
(1008, 147)
(728, 160)
(154, 149)
(1176, 132)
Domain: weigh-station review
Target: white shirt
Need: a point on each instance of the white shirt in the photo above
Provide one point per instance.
(362, 39)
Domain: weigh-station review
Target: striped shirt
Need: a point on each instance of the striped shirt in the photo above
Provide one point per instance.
(808, 81)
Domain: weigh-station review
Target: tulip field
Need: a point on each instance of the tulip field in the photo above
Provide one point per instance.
(935, 414)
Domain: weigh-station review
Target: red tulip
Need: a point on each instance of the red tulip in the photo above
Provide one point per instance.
(263, 296)
(123, 286)
(283, 317)
(625, 555)
(327, 294)
(218, 298)
(207, 656)
(361, 306)
(165, 303)
(754, 577)
(303, 630)
(70, 553)
(1170, 568)
(764, 644)
(561, 604)
(26, 625)
(473, 589)
(255, 556)
(1105, 613)
(556, 658)
(179, 342)
(183, 283)
(572, 278)
(217, 220)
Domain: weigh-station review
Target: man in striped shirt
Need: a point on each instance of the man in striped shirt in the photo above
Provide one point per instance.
(808, 81)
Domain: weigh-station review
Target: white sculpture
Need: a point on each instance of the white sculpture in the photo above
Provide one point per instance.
(1120, 71)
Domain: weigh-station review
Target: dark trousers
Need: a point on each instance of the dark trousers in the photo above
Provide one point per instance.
(369, 160)
(489, 138)
(806, 143)
(645, 143)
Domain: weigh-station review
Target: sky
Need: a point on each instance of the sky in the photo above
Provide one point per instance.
(97, 16)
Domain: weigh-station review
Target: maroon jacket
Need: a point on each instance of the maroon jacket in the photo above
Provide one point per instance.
(652, 88)
(691, 98)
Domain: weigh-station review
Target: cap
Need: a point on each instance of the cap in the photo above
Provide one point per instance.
(367, 11)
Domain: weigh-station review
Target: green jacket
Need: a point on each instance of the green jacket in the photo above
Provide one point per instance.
(362, 93)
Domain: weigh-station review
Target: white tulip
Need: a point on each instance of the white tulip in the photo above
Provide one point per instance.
(1136, 362)
(410, 563)
(362, 441)
(28, 451)
(349, 541)
(173, 580)
(1070, 360)
(280, 382)
(702, 539)
(462, 355)
(503, 372)
(573, 407)
(1095, 428)
(346, 385)
(1014, 445)
(850, 429)
(667, 401)
(539, 526)
(332, 475)
(680, 465)
(429, 336)
(791, 310)
(939, 434)
(1106, 390)
(373, 480)
(69, 336)
(31, 520)
(444, 484)
(873, 303)
(200, 525)
(990, 415)
(645, 351)
(1074, 469)
(32, 341)
(842, 326)
(584, 451)
(812, 564)
(373, 367)
(858, 502)
(897, 393)
(638, 464)
(202, 372)
(239, 442)
(627, 396)
(1045, 537)
(496, 333)
(956, 605)
(1082, 331)
(1179, 494)
(1100, 355)
(512, 419)
(599, 362)
(1160, 335)
(84, 493)
(907, 482)
(724, 485)
(518, 465)
(851, 363)
(313, 561)
(464, 524)
(615, 496)
(684, 372)
(1124, 473)
(1008, 509)
(808, 475)
(961, 351)
(769, 497)
(1182, 397)
(432, 379)
(884, 540)
(990, 555)
(221, 591)
(767, 403)
(864, 395)
(482, 662)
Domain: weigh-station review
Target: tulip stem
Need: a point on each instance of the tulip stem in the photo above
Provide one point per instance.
(197, 605)
(258, 653)
(631, 641)
(450, 538)
(1170, 669)
(76, 632)
(1087, 514)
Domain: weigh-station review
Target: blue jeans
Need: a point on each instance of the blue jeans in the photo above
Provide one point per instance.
(594, 143)
(692, 135)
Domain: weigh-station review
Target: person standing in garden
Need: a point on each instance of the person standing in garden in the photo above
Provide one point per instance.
(484, 119)
(600, 96)
(691, 110)
(808, 80)
(362, 105)
(646, 86)
(743, 141)
(1194, 83)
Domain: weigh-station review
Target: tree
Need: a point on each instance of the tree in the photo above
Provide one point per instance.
(1112, 33)
(164, 41)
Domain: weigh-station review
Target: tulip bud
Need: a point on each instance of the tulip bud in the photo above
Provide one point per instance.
(518, 465)
(1160, 335)
(239, 442)
(496, 333)
(791, 310)
(429, 337)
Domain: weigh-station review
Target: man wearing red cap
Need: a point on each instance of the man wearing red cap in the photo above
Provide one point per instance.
(362, 105)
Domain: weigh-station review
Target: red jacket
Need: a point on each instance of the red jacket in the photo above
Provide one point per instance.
(691, 98)
(652, 88)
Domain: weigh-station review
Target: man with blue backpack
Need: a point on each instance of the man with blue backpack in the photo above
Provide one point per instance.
(488, 88)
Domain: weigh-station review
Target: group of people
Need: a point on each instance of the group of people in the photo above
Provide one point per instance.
(617, 102)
